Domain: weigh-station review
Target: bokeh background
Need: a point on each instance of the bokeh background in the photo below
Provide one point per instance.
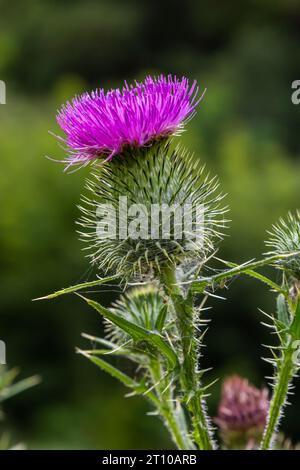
(247, 131)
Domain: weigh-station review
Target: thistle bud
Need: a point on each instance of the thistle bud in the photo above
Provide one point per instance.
(242, 413)
(150, 208)
(284, 240)
(142, 306)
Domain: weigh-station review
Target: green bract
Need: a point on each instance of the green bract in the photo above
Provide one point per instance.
(285, 239)
(146, 200)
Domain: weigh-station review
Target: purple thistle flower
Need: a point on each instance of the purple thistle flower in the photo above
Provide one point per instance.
(242, 412)
(100, 124)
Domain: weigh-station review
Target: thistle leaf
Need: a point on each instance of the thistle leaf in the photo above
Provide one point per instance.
(137, 332)
(104, 342)
(106, 367)
(7, 377)
(161, 318)
(295, 326)
(19, 387)
(282, 311)
(117, 374)
(199, 285)
(260, 277)
(77, 287)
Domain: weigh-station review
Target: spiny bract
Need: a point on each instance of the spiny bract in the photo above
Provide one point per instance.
(285, 239)
(176, 216)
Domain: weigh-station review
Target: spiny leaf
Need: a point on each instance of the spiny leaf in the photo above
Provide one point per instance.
(103, 341)
(137, 332)
(117, 374)
(260, 277)
(200, 284)
(7, 377)
(121, 352)
(295, 327)
(161, 318)
(77, 287)
(19, 387)
(282, 311)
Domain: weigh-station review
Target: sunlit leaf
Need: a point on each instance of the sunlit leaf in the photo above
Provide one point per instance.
(139, 388)
(77, 287)
(137, 332)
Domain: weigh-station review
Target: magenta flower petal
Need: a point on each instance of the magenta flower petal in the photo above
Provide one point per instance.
(100, 124)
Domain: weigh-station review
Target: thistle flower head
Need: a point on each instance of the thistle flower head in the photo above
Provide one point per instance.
(285, 239)
(161, 209)
(242, 412)
(102, 124)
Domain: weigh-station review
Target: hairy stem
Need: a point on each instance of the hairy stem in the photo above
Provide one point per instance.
(167, 409)
(189, 378)
(284, 375)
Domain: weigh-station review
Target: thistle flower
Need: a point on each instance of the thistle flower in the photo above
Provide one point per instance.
(101, 125)
(285, 239)
(242, 413)
(163, 186)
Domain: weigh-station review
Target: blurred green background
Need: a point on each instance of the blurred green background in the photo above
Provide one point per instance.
(247, 131)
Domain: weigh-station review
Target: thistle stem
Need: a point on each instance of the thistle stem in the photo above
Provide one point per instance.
(167, 410)
(284, 375)
(189, 379)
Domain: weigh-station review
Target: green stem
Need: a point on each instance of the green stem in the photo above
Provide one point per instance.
(286, 371)
(167, 410)
(200, 284)
(284, 375)
(189, 379)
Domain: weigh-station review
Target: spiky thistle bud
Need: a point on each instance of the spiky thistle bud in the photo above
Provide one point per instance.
(285, 239)
(143, 306)
(150, 208)
(242, 413)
